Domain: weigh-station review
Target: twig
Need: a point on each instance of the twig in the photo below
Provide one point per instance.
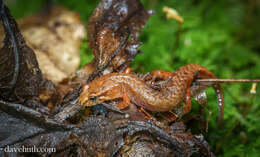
(227, 80)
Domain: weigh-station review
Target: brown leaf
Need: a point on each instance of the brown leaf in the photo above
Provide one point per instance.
(107, 27)
(21, 77)
(56, 41)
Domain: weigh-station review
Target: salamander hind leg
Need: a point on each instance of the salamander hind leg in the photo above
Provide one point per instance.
(160, 74)
(187, 105)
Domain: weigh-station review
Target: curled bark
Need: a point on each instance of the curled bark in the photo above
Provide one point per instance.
(21, 77)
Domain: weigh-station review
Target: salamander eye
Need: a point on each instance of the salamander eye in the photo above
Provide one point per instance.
(93, 98)
(85, 88)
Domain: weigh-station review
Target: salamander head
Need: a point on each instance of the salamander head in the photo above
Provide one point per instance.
(93, 94)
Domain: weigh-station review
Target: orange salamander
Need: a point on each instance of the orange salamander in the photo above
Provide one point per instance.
(132, 89)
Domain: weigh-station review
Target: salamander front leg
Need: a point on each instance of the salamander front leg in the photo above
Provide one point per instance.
(127, 71)
(146, 114)
(125, 103)
(169, 116)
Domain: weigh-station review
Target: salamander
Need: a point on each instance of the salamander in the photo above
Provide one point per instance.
(132, 89)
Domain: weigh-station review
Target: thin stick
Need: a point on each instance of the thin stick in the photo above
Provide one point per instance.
(227, 80)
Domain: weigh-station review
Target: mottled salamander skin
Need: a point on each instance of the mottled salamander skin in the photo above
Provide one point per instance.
(173, 90)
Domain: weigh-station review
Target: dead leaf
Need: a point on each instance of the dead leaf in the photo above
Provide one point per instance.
(21, 77)
(55, 36)
(107, 28)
